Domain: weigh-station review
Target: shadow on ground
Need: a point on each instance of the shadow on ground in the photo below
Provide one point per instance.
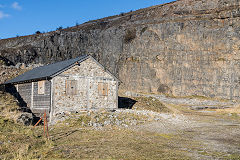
(125, 102)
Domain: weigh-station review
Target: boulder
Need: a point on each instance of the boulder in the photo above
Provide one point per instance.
(25, 118)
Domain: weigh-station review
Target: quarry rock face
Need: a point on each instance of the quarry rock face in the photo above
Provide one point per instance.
(181, 48)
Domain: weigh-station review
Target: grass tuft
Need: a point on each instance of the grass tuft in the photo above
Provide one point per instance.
(149, 103)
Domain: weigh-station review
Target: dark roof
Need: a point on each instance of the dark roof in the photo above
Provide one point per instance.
(47, 71)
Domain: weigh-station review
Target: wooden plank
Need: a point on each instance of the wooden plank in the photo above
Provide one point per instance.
(40, 111)
(41, 87)
(71, 87)
(66, 86)
(35, 104)
(24, 91)
(100, 88)
(41, 115)
(74, 87)
(88, 83)
(105, 89)
(17, 87)
(32, 95)
(41, 100)
(51, 99)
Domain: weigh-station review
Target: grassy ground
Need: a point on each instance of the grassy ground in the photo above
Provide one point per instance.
(73, 141)
(20, 142)
(76, 142)
(69, 139)
(17, 141)
(8, 106)
(111, 143)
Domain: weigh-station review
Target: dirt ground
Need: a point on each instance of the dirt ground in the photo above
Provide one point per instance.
(181, 133)
(204, 133)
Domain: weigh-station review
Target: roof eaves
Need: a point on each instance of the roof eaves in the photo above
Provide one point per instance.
(27, 81)
(46, 76)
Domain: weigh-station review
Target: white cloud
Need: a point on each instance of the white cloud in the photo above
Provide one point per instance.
(3, 15)
(16, 6)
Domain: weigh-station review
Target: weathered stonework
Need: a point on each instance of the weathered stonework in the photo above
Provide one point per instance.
(88, 75)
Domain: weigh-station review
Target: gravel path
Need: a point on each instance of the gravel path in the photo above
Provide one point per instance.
(203, 135)
(193, 103)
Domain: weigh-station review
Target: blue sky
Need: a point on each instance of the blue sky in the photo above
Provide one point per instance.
(24, 17)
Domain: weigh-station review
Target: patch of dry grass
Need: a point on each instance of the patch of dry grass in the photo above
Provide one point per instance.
(111, 143)
(8, 106)
(18, 141)
(77, 142)
(21, 142)
(235, 109)
(149, 103)
(233, 113)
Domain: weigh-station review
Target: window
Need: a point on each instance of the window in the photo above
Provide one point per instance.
(41, 87)
(102, 89)
(71, 87)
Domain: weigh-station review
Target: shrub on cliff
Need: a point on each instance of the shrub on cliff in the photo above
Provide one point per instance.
(37, 32)
(130, 35)
(59, 28)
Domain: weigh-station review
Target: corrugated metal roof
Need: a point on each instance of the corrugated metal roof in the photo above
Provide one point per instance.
(47, 71)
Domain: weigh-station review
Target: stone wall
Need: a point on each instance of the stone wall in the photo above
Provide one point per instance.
(188, 47)
(87, 75)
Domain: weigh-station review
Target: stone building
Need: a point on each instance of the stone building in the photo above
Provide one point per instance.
(71, 85)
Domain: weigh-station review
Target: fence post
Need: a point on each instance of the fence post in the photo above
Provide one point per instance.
(45, 124)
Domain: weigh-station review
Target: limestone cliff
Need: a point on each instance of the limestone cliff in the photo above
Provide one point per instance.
(187, 47)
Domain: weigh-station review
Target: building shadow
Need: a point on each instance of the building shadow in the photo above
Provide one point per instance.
(125, 102)
(11, 89)
(63, 134)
